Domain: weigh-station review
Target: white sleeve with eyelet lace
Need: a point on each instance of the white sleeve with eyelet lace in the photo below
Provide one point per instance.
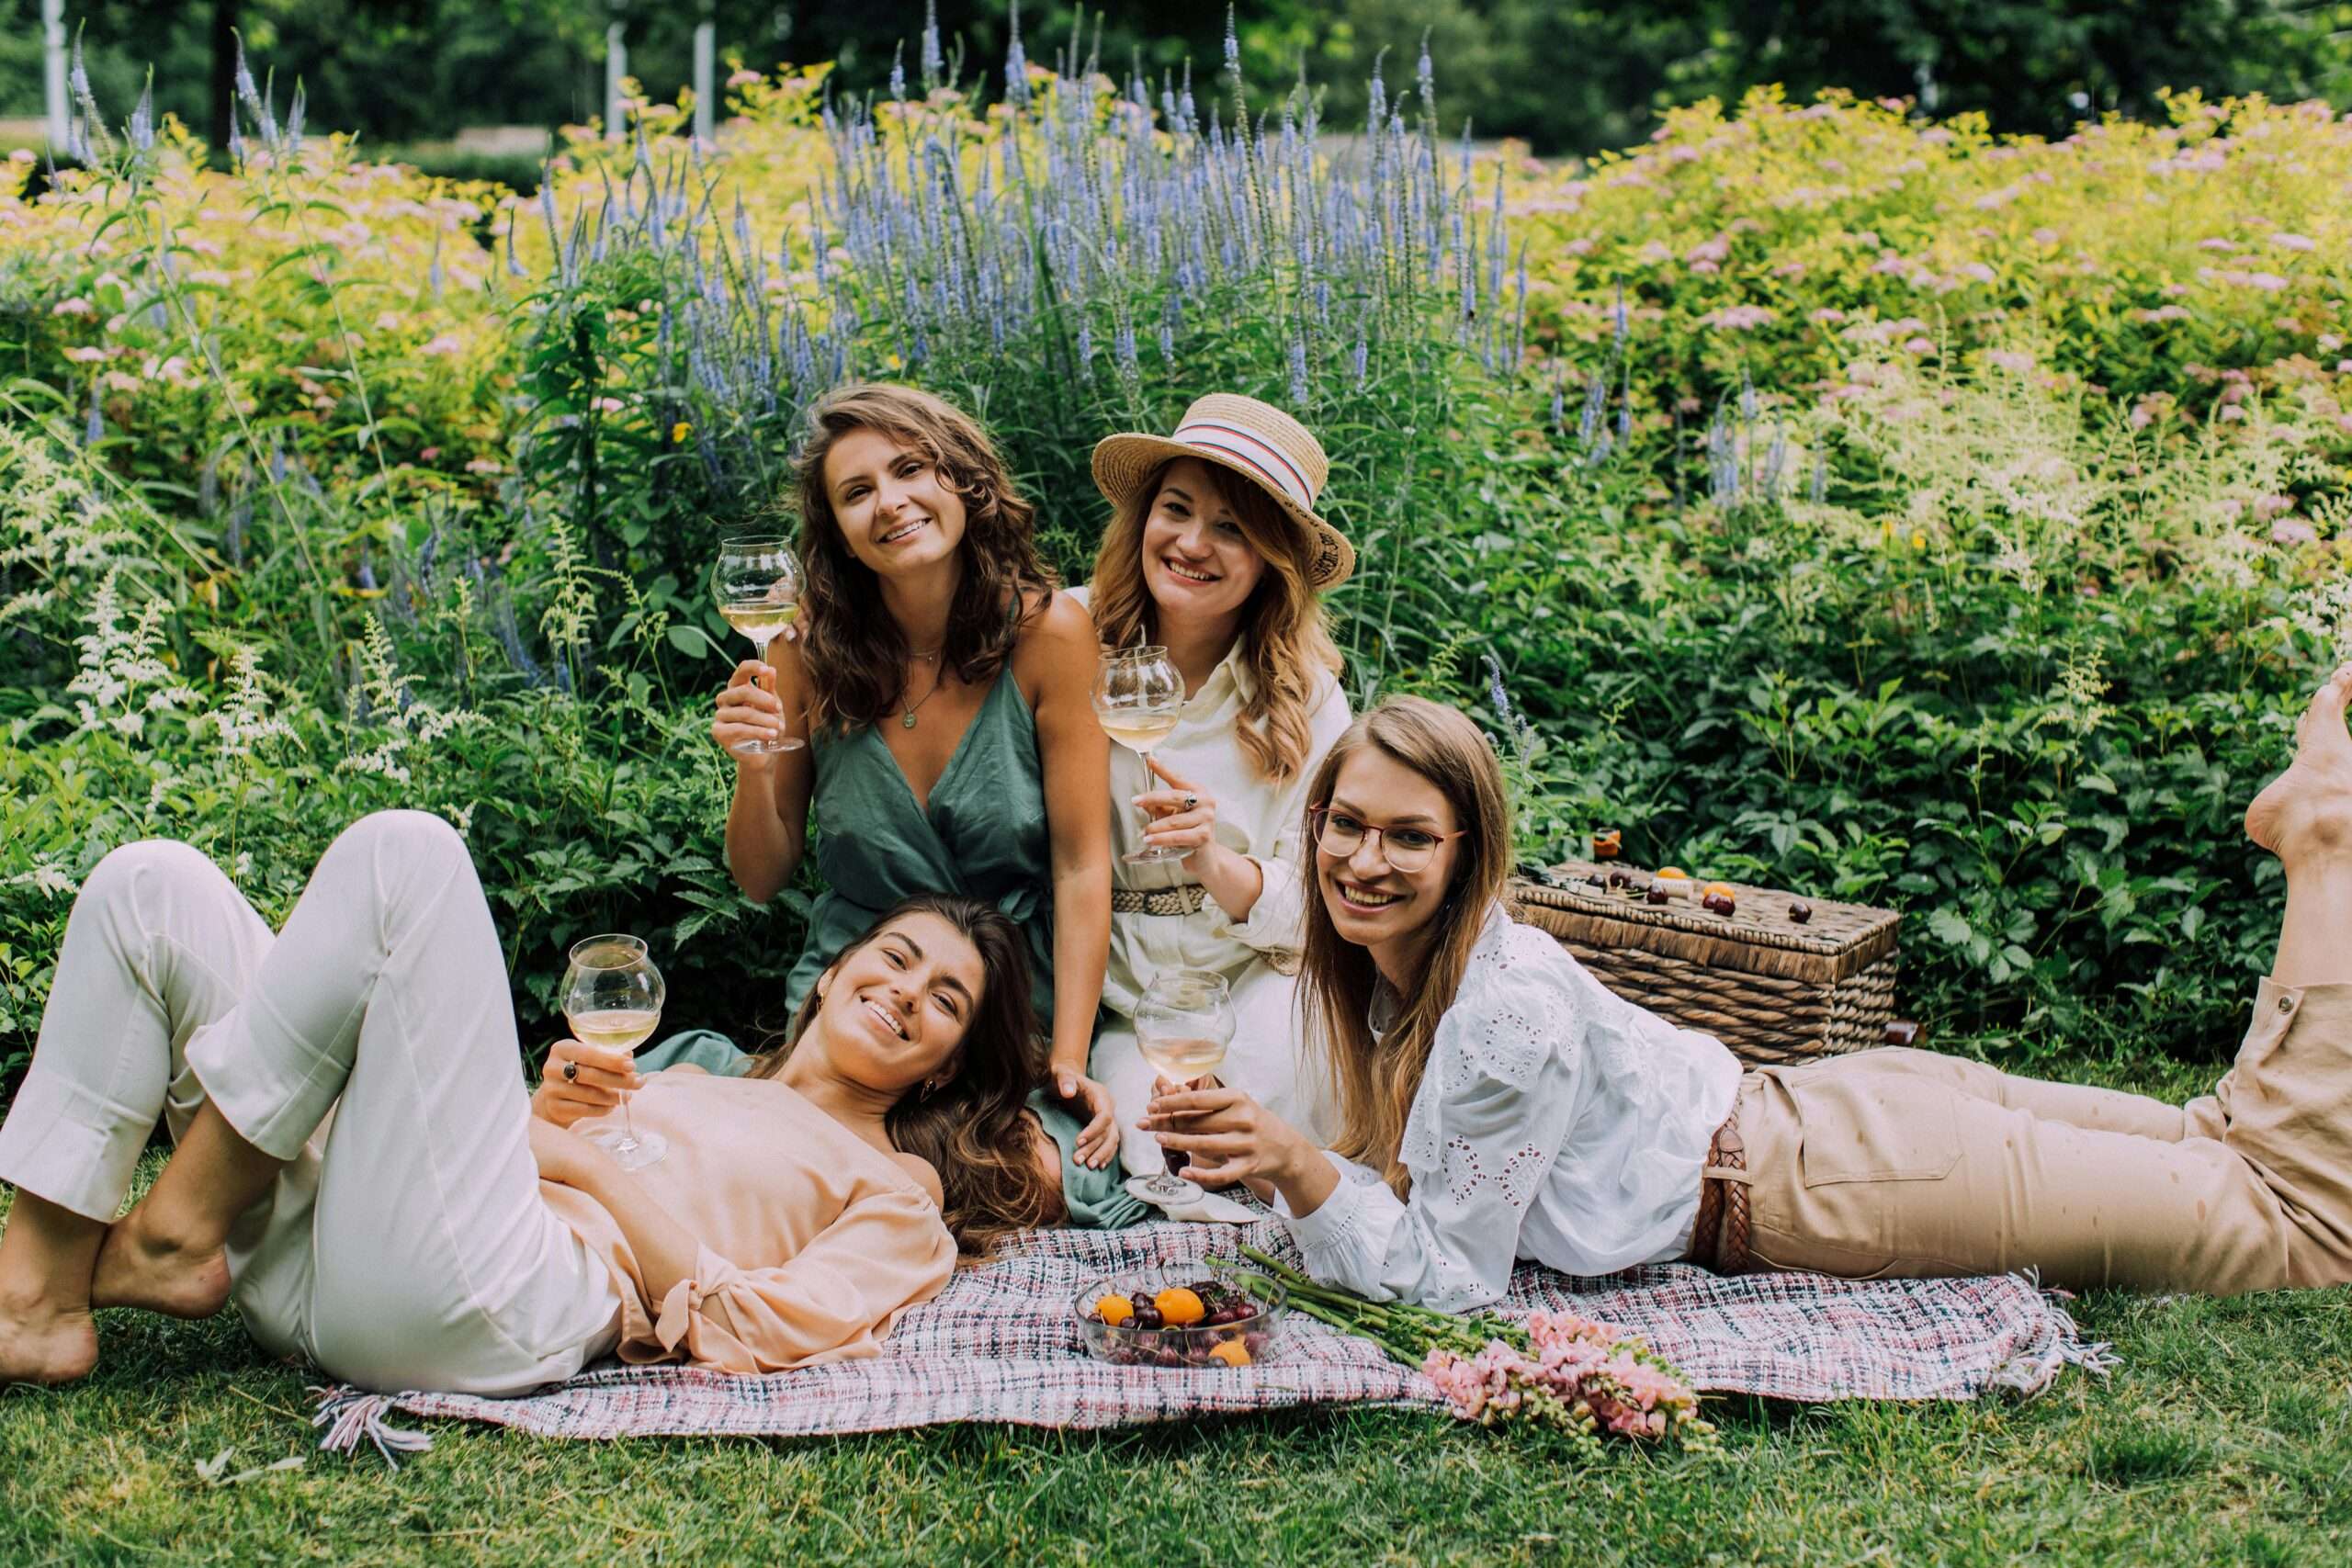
(1493, 1112)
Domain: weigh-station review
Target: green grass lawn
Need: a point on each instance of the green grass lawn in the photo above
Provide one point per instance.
(2225, 1436)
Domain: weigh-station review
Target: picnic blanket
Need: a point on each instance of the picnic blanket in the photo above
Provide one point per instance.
(999, 1344)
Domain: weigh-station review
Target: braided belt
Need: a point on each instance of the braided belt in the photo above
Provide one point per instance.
(1719, 1239)
(1188, 899)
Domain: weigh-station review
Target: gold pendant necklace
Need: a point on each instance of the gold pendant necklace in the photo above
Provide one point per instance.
(907, 719)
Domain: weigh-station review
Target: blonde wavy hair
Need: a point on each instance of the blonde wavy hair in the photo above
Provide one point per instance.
(1375, 1079)
(1286, 646)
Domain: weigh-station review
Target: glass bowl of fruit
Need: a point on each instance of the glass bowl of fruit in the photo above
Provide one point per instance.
(1188, 1314)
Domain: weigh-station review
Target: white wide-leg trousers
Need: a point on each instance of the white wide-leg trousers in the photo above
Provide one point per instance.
(371, 1044)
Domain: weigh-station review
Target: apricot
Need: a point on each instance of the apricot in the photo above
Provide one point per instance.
(1232, 1352)
(1114, 1310)
(1179, 1307)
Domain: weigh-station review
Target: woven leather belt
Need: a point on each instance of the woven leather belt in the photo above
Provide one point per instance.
(1719, 1239)
(1188, 899)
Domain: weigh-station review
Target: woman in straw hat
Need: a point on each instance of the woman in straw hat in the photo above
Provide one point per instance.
(1215, 551)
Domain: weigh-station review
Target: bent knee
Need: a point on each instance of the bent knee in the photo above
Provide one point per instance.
(408, 836)
(133, 870)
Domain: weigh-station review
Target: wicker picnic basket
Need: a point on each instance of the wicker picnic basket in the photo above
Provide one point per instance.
(1777, 992)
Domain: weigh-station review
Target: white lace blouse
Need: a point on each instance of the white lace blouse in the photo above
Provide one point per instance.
(1556, 1122)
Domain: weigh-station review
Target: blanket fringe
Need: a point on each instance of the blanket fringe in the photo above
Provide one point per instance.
(2033, 1370)
(351, 1416)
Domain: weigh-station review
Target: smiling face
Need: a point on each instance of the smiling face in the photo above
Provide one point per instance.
(894, 1012)
(1197, 563)
(893, 505)
(1371, 902)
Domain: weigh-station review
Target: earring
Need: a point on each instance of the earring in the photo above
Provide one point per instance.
(930, 1088)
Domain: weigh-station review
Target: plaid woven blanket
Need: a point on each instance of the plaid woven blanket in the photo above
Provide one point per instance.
(999, 1344)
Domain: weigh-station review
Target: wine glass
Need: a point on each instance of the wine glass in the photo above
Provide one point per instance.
(1183, 1023)
(612, 996)
(1138, 697)
(757, 584)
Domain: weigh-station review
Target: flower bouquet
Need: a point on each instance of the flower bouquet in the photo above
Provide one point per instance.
(1556, 1369)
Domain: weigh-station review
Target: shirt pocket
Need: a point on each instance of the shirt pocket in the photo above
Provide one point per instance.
(1856, 1125)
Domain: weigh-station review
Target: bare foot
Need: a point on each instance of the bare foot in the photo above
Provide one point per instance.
(138, 1267)
(2307, 810)
(39, 1344)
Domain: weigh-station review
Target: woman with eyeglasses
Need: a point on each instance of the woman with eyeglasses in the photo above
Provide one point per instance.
(1496, 1104)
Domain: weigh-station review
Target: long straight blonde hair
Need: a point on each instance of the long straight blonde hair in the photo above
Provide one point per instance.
(1374, 1077)
(1284, 644)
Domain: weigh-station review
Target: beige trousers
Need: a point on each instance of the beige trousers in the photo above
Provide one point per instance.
(371, 1045)
(1907, 1163)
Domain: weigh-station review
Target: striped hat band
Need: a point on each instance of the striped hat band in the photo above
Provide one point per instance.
(1245, 447)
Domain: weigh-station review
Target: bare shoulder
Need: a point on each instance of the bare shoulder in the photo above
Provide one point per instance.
(1061, 623)
(1057, 645)
(925, 1177)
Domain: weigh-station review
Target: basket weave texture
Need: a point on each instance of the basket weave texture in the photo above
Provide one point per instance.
(1774, 991)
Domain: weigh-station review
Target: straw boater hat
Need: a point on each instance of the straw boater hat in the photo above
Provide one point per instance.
(1257, 441)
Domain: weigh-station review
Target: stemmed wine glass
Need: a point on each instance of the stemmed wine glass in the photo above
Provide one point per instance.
(1183, 1023)
(612, 996)
(1138, 697)
(757, 584)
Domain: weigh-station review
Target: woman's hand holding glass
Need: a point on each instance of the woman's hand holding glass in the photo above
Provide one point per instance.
(750, 720)
(1183, 816)
(756, 582)
(1226, 1137)
(595, 1083)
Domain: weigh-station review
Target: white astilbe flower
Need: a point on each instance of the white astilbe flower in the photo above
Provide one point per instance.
(51, 524)
(119, 663)
(2077, 702)
(45, 877)
(411, 724)
(244, 719)
(2324, 614)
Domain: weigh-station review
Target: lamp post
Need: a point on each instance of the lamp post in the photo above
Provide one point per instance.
(616, 71)
(706, 44)
(52, 33)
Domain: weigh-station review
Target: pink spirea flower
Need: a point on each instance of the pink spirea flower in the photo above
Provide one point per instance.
(1740, 318)
(2293, 531)
(2010, 359)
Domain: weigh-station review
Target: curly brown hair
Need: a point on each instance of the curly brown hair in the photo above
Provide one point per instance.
(976, 1131)
(853, 648)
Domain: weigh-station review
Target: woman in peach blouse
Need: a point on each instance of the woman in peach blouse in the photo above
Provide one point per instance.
(360, 1171)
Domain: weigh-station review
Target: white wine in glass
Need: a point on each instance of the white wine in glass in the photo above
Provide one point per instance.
(1183, 1023)
(757, 584)
(1139, 698)
(612, 998)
